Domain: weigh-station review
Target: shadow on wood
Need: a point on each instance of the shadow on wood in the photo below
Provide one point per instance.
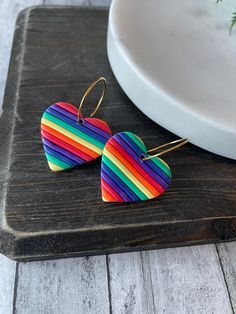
(57, 52)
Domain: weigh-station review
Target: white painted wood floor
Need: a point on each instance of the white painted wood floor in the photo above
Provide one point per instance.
(200, 279)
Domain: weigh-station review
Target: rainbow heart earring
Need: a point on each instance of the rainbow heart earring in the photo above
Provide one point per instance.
(129, 173)
(69, 140)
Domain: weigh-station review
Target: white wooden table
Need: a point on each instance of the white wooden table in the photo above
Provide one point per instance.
(199, 279)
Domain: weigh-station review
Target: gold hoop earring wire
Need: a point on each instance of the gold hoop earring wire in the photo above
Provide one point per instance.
(181, 142)
(88, 91)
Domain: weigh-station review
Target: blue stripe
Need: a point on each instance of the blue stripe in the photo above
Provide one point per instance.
(64, 152)
(86, 123)
(120, 183)
(94, 128)
(154, 167)
(116, 187)
(60, 156)
(76, 125)
(64, 112)
(142, 164)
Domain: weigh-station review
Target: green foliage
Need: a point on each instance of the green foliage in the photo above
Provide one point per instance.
(233, 20)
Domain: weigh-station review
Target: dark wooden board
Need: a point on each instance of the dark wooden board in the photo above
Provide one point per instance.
(56, 53)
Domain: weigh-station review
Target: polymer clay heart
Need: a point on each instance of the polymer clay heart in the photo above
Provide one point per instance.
(68, 143)
(125, 177)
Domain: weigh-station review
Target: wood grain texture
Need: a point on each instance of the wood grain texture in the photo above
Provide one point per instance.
(8, 14)
(60, 287)
(63, 214)
(103, 3)
(67, 2)
(183, 280)
(227, 254)
(95, 3)
(7, 282)
(129, 275)
(131, 289)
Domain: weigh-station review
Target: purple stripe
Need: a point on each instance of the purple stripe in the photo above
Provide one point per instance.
(64, 152)
(59, 156)
(64, 112)
(81, 127)
(149, 163)
(115, 187)
(136, 157)
(122, 185)
(95, 129)
(85, 123)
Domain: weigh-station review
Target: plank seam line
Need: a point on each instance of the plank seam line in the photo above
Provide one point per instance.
(149, 269)
(109, 284)
(15, 288)
(226, 283)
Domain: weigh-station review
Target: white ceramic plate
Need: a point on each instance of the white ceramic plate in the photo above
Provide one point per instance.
(177, 63)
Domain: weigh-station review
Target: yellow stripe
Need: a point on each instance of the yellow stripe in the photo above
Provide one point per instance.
(128, 174)
(71, 135)
(164, 163)
(54, 167)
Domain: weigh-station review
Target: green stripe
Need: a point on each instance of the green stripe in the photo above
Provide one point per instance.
(73, 130)
(159, 163)
(123, 177)
(57, 161)
(137, 141)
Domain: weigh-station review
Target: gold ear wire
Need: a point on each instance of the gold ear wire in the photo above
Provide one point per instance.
(88, 91)
(181, 142)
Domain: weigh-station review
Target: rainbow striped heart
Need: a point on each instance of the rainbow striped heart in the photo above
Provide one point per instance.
(68, 143)
(125, 177)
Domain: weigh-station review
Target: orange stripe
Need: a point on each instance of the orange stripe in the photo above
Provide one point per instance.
(112, 192)
(65, 145)
(69, 141)
(133, 171)
(107, 196)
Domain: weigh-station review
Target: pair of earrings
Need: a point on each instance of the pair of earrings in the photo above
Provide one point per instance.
(128, 172)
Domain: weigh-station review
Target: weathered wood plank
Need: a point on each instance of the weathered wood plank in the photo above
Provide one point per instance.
(63, 213)
(131, 289)
(7, 281)
(8, 268)
(67, 2)
(102, 3)
(64, 286)
(8, 13)
(182, 280)
(95, 3)
(227, 254)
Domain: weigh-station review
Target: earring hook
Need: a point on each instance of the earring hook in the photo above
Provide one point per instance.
(181, 142)
(88, 91)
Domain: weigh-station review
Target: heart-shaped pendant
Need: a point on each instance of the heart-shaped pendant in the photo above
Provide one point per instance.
(125, 176)
(69, 143)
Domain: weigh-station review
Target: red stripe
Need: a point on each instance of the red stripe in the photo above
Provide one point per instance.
(116, 145)
(70, 141)
(107, 197)
(96, 122)
(68, 107)
(110, 191)
(129, 166)
(66, 146)
(99, 124)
